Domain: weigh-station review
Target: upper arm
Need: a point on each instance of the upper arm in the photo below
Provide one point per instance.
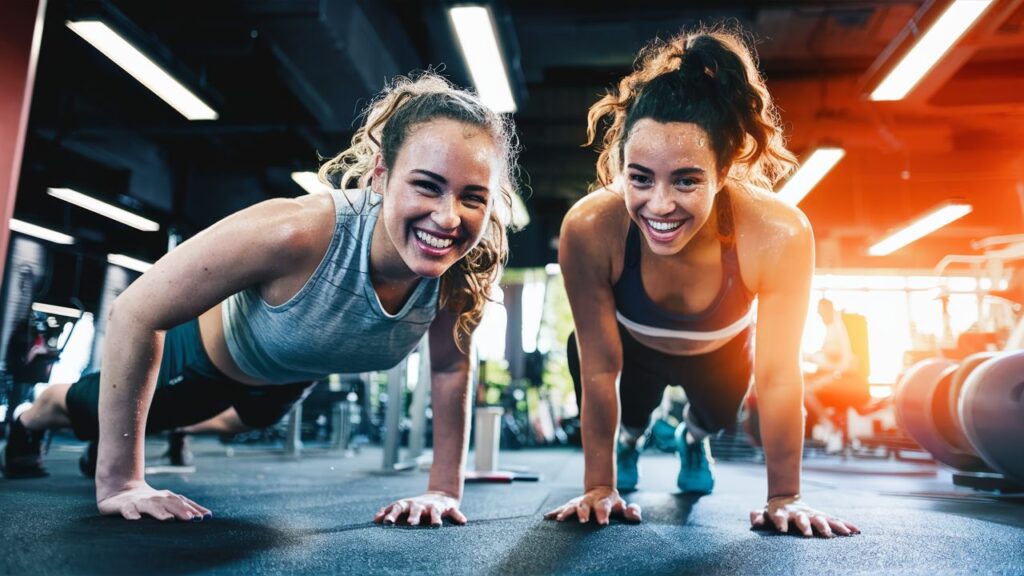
(585, 260)
(253, 246)
(783, 294)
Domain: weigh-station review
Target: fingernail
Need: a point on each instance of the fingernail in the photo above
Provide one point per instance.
(197, 518)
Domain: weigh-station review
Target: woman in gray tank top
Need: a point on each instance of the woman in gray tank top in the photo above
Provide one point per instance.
(227, 331)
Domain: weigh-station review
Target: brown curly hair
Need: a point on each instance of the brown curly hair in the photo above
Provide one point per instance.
(708, 77)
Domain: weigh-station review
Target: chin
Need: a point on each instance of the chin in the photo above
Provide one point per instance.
(428, 269)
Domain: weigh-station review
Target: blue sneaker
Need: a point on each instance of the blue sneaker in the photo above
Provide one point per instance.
(696, 466)
(628, 467)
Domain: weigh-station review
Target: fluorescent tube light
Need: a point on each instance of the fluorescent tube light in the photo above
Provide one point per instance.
(310, 182)
(809, 174)
(109, 210)
(128, 262)
(479, 45)
(922, 226)
(56, 310)
(929, 49)
(40, 232)
(143, 69)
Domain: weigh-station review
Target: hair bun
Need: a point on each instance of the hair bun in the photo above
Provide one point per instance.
(697, 64)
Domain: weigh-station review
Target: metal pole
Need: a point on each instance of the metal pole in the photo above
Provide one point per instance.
(392, 439)
(293, 445)
(420, 396)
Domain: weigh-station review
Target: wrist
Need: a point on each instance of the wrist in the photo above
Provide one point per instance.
(110, 484)
(448, 492)
(789, 498)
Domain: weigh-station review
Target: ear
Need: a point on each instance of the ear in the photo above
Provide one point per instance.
(379, 173)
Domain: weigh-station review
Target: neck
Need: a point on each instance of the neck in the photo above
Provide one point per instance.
(387, 269)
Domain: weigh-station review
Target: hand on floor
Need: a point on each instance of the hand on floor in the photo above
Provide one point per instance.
(137, 498)
(603, 502)
(433, 506)
(781, 511)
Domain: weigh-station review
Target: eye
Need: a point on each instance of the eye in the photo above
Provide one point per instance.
(639, 179)
(428, 186)
(475, 199)
(687, 182)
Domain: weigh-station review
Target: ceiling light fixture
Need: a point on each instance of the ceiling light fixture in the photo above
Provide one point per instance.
(39, 232)
(929, 49)
(925, 224)
(128, 262)
(810, 173)
(104, 209)
(475, 31)
(310, 182)
(141, 67)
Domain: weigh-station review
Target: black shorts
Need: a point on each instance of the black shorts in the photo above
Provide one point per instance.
(189, 390)
(715, 383)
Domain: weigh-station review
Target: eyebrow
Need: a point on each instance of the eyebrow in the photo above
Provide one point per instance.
(677, 172)
(444, 181)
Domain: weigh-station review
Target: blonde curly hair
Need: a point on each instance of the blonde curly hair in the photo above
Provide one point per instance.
(411, 100)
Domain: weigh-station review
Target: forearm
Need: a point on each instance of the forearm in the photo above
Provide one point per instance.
(599, 424)
(782, 426)
(450, 399)
(131, 361)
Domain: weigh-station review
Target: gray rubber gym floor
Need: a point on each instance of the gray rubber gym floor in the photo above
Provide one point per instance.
(276, 515)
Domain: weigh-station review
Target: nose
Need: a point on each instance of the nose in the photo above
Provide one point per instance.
(446, 213)
(661, 201)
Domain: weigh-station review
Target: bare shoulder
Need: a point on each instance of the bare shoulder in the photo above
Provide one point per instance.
(297, 229)
(601, 212)
(593, 232)
(769, 233)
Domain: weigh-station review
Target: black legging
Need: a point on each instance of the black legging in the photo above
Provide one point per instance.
(715, 383)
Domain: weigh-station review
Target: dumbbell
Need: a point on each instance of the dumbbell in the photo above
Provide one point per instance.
(954, 427)
(923, 411)
(992, 412)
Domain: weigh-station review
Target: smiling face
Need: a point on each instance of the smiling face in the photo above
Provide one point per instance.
(438, 198)
(671, 181)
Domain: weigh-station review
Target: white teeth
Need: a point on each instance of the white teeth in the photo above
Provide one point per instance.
(664, 226)
(432, 240)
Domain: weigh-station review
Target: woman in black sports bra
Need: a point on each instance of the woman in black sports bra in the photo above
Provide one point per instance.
(663, 263)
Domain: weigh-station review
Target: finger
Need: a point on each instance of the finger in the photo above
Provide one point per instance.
(131, 512)
(379, 516)
(202, 509)
(821, 525)
(851, 526)
(415, 513)
(456, 515)
(568, 511)
(181, 510)
(552, 513)
(603, 511)
(757, 519)
(633, 513)
(781, 521)
(396, 511)
(803, 523)
(194, 513)
(155, 511)
(839, 527)
(435, 516)
(583, 512)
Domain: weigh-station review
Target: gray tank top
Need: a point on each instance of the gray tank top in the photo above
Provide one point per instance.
(335, 323)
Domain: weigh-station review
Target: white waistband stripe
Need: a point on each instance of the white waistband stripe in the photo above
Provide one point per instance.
(727, 332)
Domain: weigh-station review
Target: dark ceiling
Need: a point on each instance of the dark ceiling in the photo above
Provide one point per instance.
(289, 77)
